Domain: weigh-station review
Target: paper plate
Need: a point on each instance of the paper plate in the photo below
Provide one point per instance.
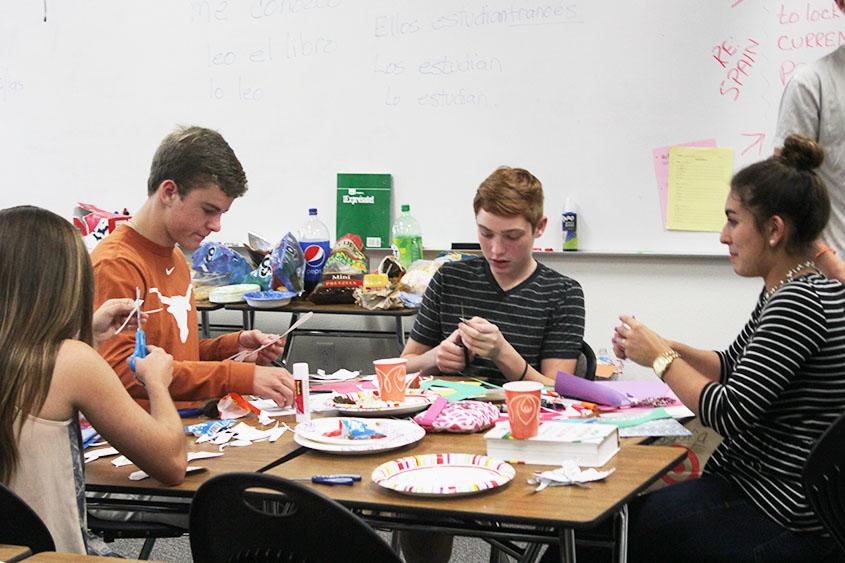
(316, 430)
(438, 475)
(415, 401)
(400, 432)
(268, 299)
(231, 293)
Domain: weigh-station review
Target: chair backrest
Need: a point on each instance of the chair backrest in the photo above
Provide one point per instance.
(824, 480)
(586, 366)
(21, 525)
(229, 523)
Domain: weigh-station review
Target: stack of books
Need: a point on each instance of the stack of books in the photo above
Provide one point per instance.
(589, 444)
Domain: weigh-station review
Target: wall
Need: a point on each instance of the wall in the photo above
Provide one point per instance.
(437, 93)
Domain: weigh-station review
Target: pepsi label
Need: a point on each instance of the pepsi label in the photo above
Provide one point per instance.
(315, 253)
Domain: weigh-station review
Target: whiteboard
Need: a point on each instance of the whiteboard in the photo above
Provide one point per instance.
(437, 93)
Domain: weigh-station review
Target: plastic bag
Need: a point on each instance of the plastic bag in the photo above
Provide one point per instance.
(343, 273)
(288, 265)
(217, 258)
(96, 223)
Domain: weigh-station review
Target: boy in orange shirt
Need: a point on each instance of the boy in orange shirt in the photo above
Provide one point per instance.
(194, 178)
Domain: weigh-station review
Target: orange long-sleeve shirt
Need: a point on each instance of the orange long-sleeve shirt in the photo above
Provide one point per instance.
(125, 260)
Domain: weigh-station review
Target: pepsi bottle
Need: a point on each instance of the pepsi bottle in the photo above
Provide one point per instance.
(314, 241)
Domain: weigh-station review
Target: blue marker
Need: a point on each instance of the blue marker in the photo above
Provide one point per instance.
(140, 337)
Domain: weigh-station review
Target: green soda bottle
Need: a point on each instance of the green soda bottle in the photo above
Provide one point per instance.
(407, 238)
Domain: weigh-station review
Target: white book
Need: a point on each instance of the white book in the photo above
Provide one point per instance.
(590, 444)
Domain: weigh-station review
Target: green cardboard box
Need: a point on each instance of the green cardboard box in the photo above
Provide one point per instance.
(363, 207)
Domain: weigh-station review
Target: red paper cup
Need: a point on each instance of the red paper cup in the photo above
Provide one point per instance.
(391, 378)
(523, 400)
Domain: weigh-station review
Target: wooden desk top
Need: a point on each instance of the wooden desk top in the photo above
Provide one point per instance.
(101, 475)
(12, 553)
(206, 305)
(636, 468)
(304, 306)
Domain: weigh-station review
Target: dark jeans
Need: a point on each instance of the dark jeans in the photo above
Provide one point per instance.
(709, 519)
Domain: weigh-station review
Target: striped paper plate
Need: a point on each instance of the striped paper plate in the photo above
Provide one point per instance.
(438, 475)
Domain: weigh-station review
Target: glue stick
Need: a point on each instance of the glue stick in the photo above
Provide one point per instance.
(301, 392)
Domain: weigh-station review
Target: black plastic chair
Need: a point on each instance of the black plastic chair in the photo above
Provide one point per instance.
(586, 366)
(21, 525)
(824, 480)
(111, 530)
(230, 523)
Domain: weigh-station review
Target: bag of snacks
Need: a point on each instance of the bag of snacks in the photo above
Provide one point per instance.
(217, 258)
(343, 273)
(288, 265)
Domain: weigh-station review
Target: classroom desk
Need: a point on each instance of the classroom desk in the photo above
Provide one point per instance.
(299, 306)
(13, 553)
(512, 513)
(102, 476)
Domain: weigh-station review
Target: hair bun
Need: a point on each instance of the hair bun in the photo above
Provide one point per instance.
(801, 153)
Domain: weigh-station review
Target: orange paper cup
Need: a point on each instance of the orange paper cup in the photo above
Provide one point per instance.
(391, 378)
(523, 400)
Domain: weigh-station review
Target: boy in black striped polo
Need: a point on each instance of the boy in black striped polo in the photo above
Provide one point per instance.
(522, 320)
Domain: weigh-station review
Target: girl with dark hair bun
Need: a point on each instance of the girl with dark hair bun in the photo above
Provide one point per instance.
(770, 394)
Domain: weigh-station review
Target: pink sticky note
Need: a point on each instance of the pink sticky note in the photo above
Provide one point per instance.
(661, 171)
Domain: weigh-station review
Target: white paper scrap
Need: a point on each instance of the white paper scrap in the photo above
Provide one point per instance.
(277, 432)
(139, 475)
(202, 455)
(339, 375)
(270, 408)
(568, 474)
(91, 455)
(121, 461)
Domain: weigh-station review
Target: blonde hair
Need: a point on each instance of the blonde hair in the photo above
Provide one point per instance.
(511, 192)
(46, 297)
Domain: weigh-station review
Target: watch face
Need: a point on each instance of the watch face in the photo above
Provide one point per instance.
(659, 365)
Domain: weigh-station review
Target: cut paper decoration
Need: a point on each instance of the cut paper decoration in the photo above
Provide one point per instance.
(460, 390)
(568, 474)
(241, 356)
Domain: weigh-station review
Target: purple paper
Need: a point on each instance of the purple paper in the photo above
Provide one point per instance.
(572, 386)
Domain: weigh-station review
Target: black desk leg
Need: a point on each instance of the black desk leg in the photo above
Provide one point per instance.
(567, 545)
(289, 340)
(248, 319)
(400, 333)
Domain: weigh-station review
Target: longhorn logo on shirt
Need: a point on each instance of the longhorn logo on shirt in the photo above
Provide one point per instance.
(315, 256)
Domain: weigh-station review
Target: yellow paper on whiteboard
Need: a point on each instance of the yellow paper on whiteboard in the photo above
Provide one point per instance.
(699, 181)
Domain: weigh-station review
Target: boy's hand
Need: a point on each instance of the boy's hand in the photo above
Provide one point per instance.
(450, 355)
(253, 339)
(482, 338)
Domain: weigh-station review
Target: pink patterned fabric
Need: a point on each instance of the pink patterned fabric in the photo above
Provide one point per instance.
(461, 417)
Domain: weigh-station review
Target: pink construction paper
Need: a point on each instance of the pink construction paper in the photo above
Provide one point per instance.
(661, 170)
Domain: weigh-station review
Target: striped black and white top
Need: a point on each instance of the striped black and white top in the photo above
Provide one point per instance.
(543, 317)
(782, 384)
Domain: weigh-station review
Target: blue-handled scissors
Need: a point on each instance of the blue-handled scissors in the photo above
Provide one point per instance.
(339, 479)
(140, 337)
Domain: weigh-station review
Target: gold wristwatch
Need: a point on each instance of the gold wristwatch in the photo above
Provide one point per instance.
(662, 362)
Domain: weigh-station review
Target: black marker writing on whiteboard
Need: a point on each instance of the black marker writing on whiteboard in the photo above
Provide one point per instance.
(45, 10)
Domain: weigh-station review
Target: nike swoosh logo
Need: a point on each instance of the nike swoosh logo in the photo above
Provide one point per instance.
(169, 270)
